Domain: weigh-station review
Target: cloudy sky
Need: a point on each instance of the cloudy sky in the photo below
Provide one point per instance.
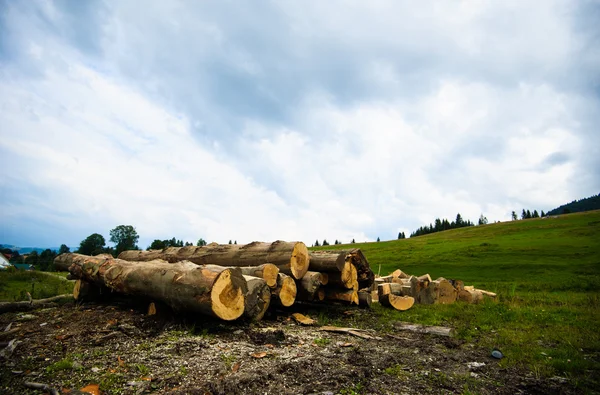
(291, 120)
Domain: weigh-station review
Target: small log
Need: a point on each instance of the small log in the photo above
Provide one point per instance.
(446, 293)
(470, 296)
(285, 292)
(308, 286)
(424, 277)
(258, 298)
(267, 272)
(6, 307)
(86, 291)
(290, 257)
(341, 295)
(399, 274)
(350, 331)
(384, 279)
(400, 303)
(184, 286)
(383, 289)
(320, 294)
(324, 278)
(333, 261)
(302, 319)
(433, 330)
(365, 299)
(346, 278)
(487, 293)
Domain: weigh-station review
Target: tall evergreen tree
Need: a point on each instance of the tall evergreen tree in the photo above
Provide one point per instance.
(514, 216)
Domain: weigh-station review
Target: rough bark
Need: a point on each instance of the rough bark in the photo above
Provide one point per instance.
(258, 298)
(290, 257)
(216, 291)
(308, 286)
(285, 292)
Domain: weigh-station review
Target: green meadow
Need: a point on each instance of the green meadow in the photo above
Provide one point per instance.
(546, 272)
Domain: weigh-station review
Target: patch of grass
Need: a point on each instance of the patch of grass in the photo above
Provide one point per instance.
(14, 285)
(396, 370)
(142, 369)
(322, 341)
(355, 389)
(112, 383)
(63, 364)
(228, 360)
(546, 272)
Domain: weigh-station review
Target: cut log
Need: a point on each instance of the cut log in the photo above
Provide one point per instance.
(341, 295)
(383, 289)
(346, 278)
(333, 261)
(290, 257)
(424, 277)
(6, 307)
(400, 303)
(446, 293)
(320, 294)
(184, 286)
(384, 279)
(365, 299)
(470, 296)
(399, 274)
(86, 291)
(487, 293)
(285, 292)
(324, 278)
(459, 285)
(267, 272)
(308, 286)
(258, 298)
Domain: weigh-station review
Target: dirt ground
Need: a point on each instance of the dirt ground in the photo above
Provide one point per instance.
(124, 351)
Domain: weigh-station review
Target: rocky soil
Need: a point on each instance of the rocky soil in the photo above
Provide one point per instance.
(124, 351)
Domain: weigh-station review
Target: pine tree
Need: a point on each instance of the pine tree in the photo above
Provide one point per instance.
(524, 214)
(325, 243)
(542, 214)
(352, 242)
(378, 239)
(317, 243)
(535, 214)
(514, 216)
(528, 214)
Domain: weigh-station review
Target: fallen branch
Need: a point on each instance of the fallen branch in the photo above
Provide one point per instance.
(432, 330)
(8, 351)
(6, 307)
(8, 333)
(40, 386)
(351, 331)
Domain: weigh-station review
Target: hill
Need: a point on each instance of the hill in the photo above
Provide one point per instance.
(546, 272)
(576, 206)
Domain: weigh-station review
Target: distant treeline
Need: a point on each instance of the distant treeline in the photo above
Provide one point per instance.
(443, 224)
(576, 206)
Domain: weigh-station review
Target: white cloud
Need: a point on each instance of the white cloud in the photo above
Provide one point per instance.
(290, 120)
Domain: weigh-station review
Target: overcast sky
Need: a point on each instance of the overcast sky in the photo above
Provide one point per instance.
(291, 120)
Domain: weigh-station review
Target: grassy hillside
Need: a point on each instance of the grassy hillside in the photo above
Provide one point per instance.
(546, 272)
(14, 285)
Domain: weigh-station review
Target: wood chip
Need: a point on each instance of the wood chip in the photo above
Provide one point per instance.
(351, 331)
(259, 355)
(236, 367)
(302, 319)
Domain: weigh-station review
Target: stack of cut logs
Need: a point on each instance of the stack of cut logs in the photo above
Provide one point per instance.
(226, 281)
(401, 291)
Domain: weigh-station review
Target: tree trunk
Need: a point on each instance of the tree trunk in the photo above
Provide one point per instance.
(286, 291)
(216, 291)
(308, 287)
(290, 257)
(258, 298)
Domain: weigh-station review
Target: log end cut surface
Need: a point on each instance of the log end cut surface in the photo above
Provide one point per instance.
(227, 296)
(300, 260)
